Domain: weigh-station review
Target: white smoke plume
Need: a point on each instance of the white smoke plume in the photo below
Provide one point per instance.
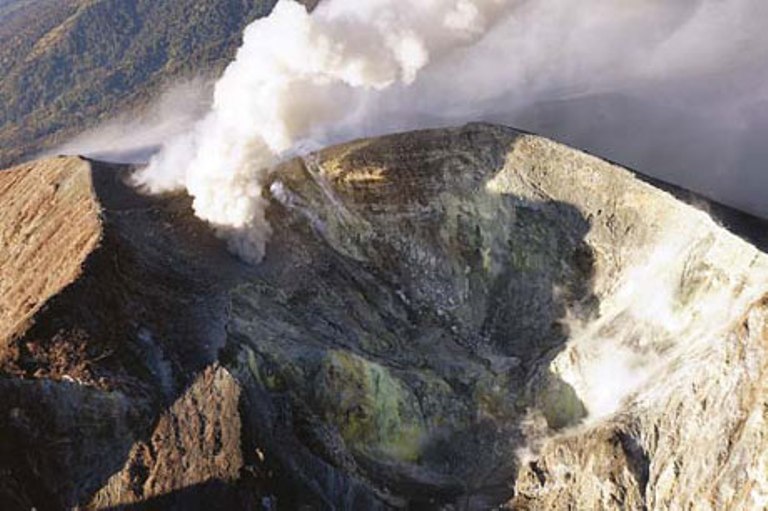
(295, 76)
(667, 87)
(678, 302)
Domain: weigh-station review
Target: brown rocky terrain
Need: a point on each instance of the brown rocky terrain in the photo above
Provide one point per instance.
(50, 224)
(451, 319)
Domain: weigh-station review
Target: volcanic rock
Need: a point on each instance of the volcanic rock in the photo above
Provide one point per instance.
(451, 319)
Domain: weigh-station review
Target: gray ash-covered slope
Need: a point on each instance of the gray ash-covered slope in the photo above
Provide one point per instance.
(458, 319)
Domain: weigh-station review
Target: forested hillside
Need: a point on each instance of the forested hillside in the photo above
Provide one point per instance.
(66, 65)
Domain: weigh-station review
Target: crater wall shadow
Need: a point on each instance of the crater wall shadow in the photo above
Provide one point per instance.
(434, 364)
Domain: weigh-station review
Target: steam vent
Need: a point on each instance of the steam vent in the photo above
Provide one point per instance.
(455, 319)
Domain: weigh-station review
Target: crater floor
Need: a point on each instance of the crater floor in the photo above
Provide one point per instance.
(450, 319)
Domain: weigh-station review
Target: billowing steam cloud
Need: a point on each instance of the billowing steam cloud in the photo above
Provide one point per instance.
(297, 78)
(667, 87)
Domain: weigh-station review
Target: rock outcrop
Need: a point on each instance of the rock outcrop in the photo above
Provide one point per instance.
(49, 225)
(452, 319)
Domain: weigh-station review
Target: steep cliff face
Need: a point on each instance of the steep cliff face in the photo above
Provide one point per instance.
(50, 224)
(460, 318)
(97, 273)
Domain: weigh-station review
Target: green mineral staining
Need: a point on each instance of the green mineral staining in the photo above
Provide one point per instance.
(371, 408)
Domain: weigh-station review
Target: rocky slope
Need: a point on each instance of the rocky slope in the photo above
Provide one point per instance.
(450, 319)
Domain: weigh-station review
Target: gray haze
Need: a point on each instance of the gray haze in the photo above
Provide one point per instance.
(135, 137)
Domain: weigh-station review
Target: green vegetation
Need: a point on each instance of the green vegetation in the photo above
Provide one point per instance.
(66, 65)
